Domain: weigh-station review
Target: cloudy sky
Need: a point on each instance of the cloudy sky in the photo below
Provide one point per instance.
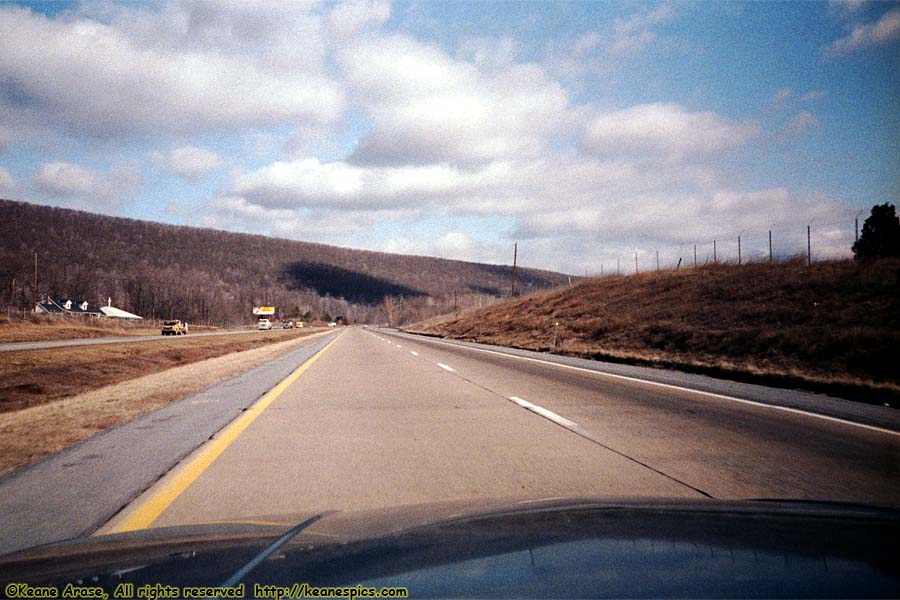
(583, 131)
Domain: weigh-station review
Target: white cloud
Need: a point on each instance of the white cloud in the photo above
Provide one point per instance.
(782, 96)
(426, 107)
(489, 54)
(6, 138)
(609, 47)
(453, 245)
(845, 8)
(351, 18)
(672, 222)
(633, 33)
(345, 227)
(884, 31)
(812, 96)
(63, 180)
(306, 183)
(187, 68)
(798, 125)
(561, 207)
(8, 183)
(666, 130)
(463, 133)
(189, 162)
(787, 97)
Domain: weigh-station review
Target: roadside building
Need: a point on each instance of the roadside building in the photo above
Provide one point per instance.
(68, 306)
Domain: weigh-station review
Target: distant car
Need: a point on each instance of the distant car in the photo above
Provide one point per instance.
(332, 324)
(174, 327)
(265, 325)
(287, 325)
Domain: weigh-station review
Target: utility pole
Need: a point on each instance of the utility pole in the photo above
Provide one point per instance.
(515, 257)
(635, 263)
(808, 248)
(739, 249)
(618, 267)
(770, 246)
(695, 256)
(714, 252)
(601, 269)
(657, 261)
(34, 291)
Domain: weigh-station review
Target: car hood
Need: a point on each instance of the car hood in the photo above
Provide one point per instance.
(508, 548)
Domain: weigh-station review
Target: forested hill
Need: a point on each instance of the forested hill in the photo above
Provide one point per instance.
(201, 275)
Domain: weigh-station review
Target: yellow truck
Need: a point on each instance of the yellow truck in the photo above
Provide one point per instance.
(174, 327)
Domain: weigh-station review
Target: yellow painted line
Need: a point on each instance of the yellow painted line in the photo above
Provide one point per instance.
(153, 507)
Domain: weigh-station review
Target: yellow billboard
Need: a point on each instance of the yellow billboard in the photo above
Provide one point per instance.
(264, 310)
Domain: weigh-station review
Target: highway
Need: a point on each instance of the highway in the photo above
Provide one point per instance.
(360, 419)
(378, 419)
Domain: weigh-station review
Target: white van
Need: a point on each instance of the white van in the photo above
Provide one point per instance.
(265, 324)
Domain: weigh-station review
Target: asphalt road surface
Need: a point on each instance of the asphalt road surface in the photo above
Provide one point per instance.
(377, 419)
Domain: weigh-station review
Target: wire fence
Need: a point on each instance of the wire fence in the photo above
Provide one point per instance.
(812, 243)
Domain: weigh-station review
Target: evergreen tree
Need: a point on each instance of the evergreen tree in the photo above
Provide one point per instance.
(880, 234)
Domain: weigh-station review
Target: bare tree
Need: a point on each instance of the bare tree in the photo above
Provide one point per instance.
(391, 307)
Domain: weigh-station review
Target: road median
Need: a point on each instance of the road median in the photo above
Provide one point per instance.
(141, 379)
(73, 492)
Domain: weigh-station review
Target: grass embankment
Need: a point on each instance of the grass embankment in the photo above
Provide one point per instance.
(41, 328)
(49, 426)
(33, 377)
(832, 327)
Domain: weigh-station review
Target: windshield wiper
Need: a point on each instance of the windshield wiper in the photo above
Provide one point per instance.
(242, 572)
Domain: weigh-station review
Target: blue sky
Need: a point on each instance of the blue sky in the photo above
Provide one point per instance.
(586, 131)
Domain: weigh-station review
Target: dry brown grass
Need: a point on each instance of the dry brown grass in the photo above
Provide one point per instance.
(30, 433)
(836, 323)
(32, 377)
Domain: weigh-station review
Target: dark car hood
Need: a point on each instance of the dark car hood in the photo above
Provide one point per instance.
(535, 548)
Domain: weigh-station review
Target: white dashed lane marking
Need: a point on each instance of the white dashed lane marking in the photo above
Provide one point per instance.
(540, 410)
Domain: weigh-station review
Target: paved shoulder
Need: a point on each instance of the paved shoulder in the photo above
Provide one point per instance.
(73, 492)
